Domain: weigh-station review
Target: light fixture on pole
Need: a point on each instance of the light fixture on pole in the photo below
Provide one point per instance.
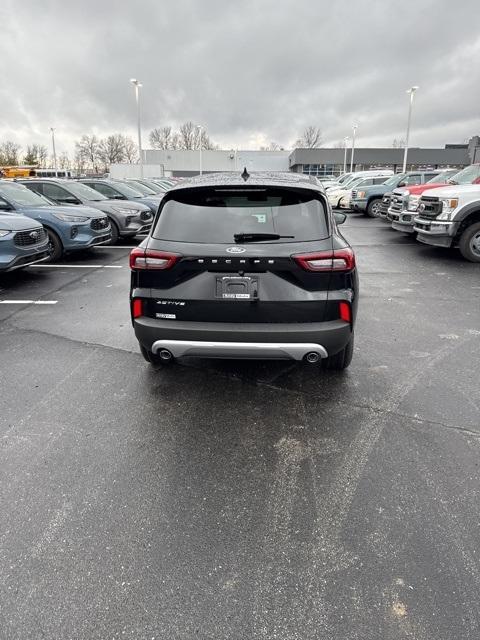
(345, 141)
(137, 84)
(200, 136)
(354, 129)
(411, 91)
(52, 129)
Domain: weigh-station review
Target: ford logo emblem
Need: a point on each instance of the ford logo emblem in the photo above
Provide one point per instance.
(236, 250)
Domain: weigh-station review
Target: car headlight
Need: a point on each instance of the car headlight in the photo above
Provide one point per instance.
(126, 211)
(448, 208)
(412, 203)
(360, 194)
(66, 218)
(4, 232)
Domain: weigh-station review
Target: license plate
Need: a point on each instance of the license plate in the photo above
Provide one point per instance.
(236, 288)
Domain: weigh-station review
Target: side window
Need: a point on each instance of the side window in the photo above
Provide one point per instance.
(104, 189)
(36, 187)
(368, 183)
(429, 176)
(415, 179)
(379, 180)
(54, 192)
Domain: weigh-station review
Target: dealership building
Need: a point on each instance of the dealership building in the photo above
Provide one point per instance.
(317, 162)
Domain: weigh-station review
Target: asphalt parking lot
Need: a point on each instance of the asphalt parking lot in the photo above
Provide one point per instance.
(242, 500)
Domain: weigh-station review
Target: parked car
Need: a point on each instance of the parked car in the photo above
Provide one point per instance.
(450, 217)
(249, 266)
(155, 188)
(68, 229)
(340, 198)
(404, 202)
(369, 199)
(347, 178)
(22, 242)
(126, 219)
(120, 190)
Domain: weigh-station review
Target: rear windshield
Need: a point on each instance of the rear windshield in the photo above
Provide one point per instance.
(216, 215)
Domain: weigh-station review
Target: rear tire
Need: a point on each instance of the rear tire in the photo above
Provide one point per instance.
(56, 246)
(373, 208)
(469, 243)
(342, 359)
(153, 358)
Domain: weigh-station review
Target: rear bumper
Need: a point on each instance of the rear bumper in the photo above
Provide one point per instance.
(243, 340)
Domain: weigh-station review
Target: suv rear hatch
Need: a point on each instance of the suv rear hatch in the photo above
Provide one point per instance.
(225, 255)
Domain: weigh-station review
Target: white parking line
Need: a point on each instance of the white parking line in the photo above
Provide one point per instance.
(127, 247)
(76, 266)
(28, 301)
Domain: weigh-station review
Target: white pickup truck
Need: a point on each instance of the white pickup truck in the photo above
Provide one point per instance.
(450, 217)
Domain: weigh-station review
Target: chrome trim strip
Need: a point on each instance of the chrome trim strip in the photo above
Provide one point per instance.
(252, 350)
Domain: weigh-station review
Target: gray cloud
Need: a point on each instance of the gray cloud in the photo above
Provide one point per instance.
(246, 70)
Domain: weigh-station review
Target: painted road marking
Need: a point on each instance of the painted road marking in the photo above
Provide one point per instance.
(127, 247)
(76, 266)
(28, 301)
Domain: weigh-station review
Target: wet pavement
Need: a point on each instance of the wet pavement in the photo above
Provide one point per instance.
(242, 500)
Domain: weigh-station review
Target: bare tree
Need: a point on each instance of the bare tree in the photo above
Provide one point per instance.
(187, 135)
(130, 150)
(311, 138)
(64, 161)
(87, 149)
(398, 144)
(161, 138)
(9, 153)
(273, 146)
(111, 150)
(36, 154)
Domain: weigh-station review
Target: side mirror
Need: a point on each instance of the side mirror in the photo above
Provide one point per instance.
(118, 196)
(69, 200)
(339, 217)
(401, 184)
(4, 206)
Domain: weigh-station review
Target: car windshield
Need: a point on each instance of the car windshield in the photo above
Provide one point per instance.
(443, 176)
(469, 175)
(83, 192)
(19, 195)
(126, 190)
(392, 182)
(144, 190)
(217, 215)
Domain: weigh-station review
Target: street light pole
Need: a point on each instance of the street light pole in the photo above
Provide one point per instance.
(411, 91)
(200, 129)
(354, 129)
(345, 140)
(137, 84)
(52, 129)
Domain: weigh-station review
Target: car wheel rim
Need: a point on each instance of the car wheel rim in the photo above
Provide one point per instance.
(475, 244)
(375, 209)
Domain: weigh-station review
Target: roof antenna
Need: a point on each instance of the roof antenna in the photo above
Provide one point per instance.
(245, 174)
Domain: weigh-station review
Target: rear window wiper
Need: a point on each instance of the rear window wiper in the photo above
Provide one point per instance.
(258, 237)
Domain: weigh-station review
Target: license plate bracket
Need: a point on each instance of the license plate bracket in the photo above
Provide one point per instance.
(237, 288)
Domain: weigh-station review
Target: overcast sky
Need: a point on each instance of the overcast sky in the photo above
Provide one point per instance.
(250, 71)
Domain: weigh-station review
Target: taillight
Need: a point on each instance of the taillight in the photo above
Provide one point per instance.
(151, 259)
(345, 311)
(337, 260)
(137, 307)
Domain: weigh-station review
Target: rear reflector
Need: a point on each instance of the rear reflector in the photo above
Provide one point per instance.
(151, 259)
(345, 311)
(337, 260)
(137, 308)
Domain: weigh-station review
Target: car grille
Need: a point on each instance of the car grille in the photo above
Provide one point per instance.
(354, 194)
(430, 207)
(384, 204)
(29, 237)
(397, 203)
(98, 224)
(145, 215)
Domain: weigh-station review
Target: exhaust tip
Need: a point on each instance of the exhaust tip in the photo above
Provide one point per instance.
(312, 357)
(165, 354)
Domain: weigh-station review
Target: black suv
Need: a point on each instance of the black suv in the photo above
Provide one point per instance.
(245, 266)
